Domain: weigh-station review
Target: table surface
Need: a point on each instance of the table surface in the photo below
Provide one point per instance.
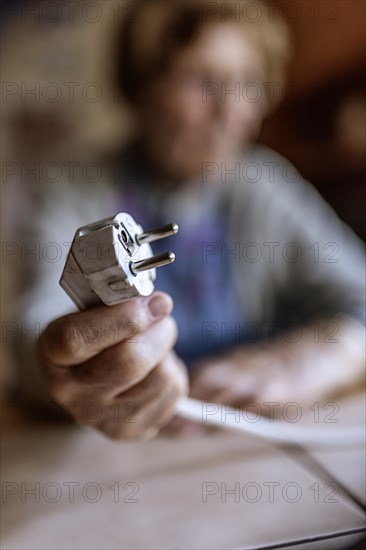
(68, 487)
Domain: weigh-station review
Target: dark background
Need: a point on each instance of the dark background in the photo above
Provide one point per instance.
(320, 126)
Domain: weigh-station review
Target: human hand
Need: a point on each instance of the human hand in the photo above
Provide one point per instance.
(302, 372)
(119, 362)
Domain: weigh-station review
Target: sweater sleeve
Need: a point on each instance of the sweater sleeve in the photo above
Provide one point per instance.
(309, 263)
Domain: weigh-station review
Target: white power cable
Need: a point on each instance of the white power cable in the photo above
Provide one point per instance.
(276, 430)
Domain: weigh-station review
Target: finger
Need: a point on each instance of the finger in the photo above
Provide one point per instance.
(180, 427)
(162, 410)
(208, 383)
(119, 368)
(170, 373)
(153, 402)
(151, 417)
(236, 399)
(77, 337)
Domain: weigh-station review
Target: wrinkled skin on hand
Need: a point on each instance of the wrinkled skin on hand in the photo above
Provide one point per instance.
(119, 363)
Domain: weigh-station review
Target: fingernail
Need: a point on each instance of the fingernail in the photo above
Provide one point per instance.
(159, 306)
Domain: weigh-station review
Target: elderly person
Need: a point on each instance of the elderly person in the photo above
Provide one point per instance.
(268, 285)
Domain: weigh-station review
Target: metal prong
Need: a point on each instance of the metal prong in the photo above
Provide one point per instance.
(152, 263)
(158, 233)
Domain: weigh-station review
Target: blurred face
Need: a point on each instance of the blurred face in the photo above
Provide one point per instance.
(205, 108)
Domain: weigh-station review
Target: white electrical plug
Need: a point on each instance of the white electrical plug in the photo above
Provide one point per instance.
(111, 261)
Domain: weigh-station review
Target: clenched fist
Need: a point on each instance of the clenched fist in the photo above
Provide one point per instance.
(121, 360)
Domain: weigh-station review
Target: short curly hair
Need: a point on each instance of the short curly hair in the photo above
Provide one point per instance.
(155, 30)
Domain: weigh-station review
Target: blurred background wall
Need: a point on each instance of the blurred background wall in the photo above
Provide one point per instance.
(58, 94)
(321, 124)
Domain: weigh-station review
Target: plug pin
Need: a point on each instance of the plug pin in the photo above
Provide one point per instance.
(153, 262)
(157, 234)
